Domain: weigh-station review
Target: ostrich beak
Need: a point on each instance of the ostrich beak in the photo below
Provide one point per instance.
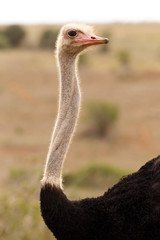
(91, 39)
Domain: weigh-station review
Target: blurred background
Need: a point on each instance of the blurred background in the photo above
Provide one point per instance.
(118, 129)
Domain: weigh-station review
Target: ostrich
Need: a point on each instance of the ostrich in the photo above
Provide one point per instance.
(130, 210)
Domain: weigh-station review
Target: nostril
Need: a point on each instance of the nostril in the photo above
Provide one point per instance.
(92, 37)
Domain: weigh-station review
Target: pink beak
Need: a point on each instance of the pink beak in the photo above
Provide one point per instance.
(91, 39)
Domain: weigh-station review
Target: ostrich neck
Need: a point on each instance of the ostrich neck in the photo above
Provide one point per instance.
(69, 104)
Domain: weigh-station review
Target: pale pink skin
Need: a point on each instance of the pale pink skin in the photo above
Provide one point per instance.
(90, 39)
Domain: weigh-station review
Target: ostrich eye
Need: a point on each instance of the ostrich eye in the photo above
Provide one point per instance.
(72, 33)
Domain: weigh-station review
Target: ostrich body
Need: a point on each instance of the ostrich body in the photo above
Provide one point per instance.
(130, 210)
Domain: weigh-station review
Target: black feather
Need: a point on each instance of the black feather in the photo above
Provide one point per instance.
(130, 210)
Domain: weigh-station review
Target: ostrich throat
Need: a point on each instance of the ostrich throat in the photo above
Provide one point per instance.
(69, 105)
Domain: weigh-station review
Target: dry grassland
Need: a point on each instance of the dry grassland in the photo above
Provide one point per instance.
(28, 103)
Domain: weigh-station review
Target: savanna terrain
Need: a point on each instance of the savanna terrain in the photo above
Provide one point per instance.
(28, 102)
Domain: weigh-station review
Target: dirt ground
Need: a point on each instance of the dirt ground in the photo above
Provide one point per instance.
(29, 95)
(28, 103)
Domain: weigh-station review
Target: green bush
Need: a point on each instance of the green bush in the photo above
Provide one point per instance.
(18, 173)
(83, 60)
(102, 116)
(20, 215)
(48, 39)
(104, 48)
(94, 175)
(4, 42)
(123, 56)
(15, 35)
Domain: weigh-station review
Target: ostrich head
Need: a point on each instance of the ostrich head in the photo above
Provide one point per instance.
(74, 38)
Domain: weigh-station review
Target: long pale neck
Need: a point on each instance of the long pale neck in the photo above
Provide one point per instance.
(69, 104)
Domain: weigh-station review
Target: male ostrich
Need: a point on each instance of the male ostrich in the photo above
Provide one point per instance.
(130, 210)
